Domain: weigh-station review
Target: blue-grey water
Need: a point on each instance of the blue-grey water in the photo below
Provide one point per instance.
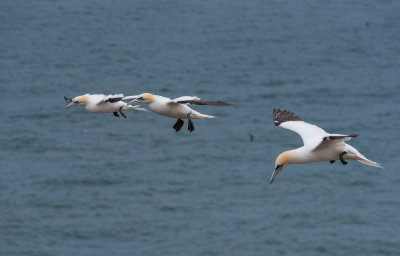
(75, 183)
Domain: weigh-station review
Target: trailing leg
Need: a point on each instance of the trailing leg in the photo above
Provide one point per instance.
(341, 157)
(122, 114)
(116, 114)
(190, 125)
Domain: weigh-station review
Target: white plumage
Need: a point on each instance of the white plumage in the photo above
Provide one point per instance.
(175, 108)
(100, 103)
(318, 144)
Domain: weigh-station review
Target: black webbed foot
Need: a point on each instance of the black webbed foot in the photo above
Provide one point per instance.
(178, 125)
(341, 157)
(116, 114)
(332, 161)
(190, 125)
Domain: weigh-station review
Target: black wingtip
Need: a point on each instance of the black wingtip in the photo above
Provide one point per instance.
(67, 99)
(280, 116)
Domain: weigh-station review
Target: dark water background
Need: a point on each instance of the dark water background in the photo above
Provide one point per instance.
(74, 183)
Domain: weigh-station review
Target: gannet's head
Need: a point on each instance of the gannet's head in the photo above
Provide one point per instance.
(281, 162)
(77, 101)
(143, 98)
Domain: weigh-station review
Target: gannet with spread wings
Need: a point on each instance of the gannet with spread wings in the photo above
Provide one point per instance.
(100, 103)
(175, 108)
(318, 144)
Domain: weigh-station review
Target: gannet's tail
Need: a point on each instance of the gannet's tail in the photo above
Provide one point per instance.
(136, 107)
(196, 115)
(370, 163)
(354, 154)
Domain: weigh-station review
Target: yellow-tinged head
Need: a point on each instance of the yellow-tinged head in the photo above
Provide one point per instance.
(79, 100)
(82, 100)
(142, 98)
(281, 161)
(146, 98)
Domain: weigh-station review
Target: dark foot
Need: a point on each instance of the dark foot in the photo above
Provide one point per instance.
(190, 125)
(122, 114)
(178, 125)
(116, 114)
(332, 161)
(341, 157)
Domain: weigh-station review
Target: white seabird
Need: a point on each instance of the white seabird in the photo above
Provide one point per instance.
(100, 103)
(318, 144)
(175, 108)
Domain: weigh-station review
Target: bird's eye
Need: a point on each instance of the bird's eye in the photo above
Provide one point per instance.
(140, 98)
(76, 102)
(279, 166)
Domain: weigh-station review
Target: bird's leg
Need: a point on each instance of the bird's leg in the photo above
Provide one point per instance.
(341, 157)
(122, 114)
(190, 125)
(178, 125)
(181, 122)
(332, 161)
(116, 114)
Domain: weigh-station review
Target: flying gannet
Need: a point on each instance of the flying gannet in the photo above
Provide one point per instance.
(100, 103)
(175, 108)
(318, 144)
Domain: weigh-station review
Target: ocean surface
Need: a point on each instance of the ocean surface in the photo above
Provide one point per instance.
(75, 183)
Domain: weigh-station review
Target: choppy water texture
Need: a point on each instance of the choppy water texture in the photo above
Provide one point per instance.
(74, 183)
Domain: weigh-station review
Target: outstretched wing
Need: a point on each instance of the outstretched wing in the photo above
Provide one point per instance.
(185, 98)
(333, 138)
(112, 98)
(309, 133)
(193, 100)
(205, 102)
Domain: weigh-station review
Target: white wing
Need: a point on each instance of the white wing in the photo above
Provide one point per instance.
(309, 133)
(185, 98)
(193, 100)
(330, 139)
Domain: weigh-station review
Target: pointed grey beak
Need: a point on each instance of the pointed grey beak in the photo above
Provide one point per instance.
(133, 98)
(71, 104)
(133, 101)
(275, 173)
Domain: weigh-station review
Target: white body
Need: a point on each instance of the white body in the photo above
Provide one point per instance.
(315, 149)
(306, 154)
(168, 107)
(96, 104)
(100, 103)
(319, 146)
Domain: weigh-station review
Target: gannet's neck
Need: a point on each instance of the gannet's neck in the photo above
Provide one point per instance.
(299, 156)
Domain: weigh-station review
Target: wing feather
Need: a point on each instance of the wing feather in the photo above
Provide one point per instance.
(333, 138)
(205, 102)
(184, 98)
(309, 133)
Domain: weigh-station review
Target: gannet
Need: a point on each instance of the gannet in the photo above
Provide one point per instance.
(318, 144)
(175, 108)
(100, 103)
